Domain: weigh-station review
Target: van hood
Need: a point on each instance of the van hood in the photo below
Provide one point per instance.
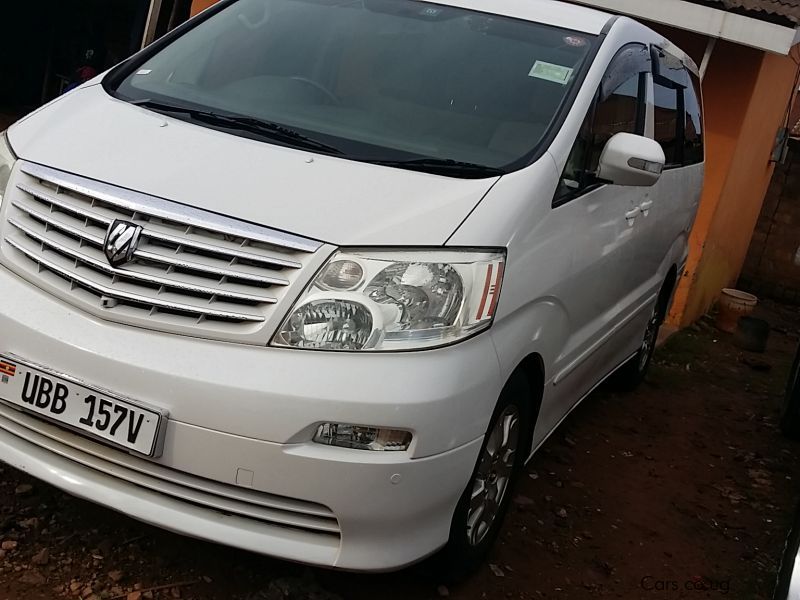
(342, 202)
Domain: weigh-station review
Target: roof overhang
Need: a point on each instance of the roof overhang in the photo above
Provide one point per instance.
(705, 20)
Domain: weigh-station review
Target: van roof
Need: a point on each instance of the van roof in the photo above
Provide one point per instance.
(549, 12)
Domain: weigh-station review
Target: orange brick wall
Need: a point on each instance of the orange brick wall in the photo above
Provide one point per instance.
(771, 268)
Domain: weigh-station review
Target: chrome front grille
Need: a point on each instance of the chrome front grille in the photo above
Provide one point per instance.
(192, 271)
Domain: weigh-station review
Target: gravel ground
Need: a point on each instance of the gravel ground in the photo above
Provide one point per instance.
(684, 489)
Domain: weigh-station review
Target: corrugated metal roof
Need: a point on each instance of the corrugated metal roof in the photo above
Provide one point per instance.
(778, 11)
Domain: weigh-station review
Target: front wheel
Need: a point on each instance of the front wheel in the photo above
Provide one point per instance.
(479, 515)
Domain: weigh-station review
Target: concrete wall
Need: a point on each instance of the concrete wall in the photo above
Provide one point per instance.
(747, 93)
(772, 266)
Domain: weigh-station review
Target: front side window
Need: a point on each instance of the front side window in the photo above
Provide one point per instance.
(375, 80)
(619, 108)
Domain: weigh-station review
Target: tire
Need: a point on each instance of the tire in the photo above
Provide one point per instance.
(631, 375)
(474, 530)
(790, 413)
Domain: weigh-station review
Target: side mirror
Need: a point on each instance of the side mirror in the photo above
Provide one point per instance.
(631, 160)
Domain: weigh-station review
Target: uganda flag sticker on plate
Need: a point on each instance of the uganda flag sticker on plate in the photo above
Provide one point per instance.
(7, 370)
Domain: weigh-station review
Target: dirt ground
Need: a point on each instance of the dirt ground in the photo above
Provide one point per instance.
(684, 489)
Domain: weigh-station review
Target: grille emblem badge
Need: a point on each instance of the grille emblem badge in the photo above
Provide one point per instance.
(121, 241)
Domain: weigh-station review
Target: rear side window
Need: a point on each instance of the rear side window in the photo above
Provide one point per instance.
(666, 122)
(694, 149)
(678, 115)
(619, 108)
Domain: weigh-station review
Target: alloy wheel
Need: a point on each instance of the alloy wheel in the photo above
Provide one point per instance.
(650, 338)
(493, 477)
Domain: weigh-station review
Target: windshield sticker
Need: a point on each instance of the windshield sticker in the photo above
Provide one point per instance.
(145, 72)
(551, 72)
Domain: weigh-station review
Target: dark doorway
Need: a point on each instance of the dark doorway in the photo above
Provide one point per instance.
(49, 45)
(171, 14)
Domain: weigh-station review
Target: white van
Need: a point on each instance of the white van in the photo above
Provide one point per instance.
(315, 278)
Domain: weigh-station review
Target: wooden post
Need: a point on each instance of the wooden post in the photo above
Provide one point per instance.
(152, 22)
(712, 43)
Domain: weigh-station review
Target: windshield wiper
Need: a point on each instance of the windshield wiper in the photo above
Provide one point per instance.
(442, 166)
(273, 131)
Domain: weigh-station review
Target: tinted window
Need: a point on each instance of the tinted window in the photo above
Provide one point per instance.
(622, 111)
(678, 114)
(693, 144)
(666, 122)
(619, 108)
(376, 79)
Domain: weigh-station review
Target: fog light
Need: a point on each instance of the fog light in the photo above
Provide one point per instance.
(362, 438)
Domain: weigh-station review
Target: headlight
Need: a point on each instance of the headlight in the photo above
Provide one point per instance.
(395, 300)
(7, 160)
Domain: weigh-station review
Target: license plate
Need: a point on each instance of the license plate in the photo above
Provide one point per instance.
(65, 400)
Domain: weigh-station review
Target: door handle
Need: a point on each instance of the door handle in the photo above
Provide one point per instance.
(646, 206)
(632, 214)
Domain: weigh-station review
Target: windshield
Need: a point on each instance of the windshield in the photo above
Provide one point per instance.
(394, 81)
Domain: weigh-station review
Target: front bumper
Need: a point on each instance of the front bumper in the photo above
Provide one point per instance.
(238, 466)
